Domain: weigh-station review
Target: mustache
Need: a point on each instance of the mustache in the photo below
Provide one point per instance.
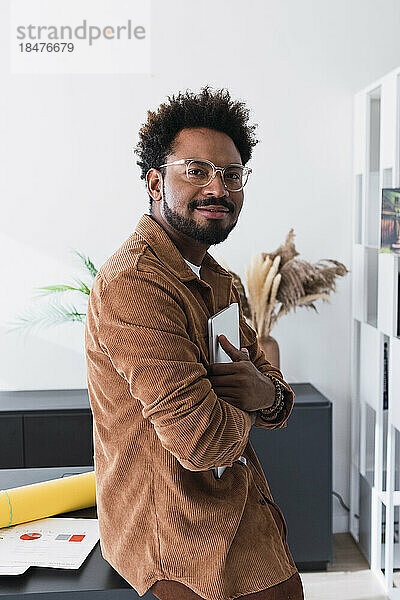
(214, 202)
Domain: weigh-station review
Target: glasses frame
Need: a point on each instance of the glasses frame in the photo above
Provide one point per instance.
(187, 161)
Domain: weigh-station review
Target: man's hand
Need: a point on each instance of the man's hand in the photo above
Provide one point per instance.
(240, 383)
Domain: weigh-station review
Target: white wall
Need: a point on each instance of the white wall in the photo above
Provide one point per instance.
(69, 180)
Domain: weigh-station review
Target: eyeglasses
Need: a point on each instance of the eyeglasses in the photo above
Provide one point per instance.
(201, 172)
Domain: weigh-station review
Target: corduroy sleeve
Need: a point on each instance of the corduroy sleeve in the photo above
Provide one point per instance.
(144, 331)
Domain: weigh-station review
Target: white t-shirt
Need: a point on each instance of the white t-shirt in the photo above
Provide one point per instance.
(195, 268)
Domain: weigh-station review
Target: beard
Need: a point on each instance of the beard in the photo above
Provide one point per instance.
(212, 233)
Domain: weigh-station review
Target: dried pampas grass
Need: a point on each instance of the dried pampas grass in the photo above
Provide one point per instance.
(279, 278)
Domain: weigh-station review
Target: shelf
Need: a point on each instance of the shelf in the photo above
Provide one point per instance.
(387, 292)
(373, 210)
(370, 365)
(383, 496)
(387, 178)
(397, 140)
(375, 414)
(372, 207)
(371, 272)
(394, 382)
(397, 299)
(358, 221)
(358, 282)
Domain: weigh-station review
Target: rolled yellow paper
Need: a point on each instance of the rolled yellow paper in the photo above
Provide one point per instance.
(47, 498)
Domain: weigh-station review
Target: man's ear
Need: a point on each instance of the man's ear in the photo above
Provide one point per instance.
(154, 184)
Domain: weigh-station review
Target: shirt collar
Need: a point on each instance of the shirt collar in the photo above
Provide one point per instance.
(162, 245)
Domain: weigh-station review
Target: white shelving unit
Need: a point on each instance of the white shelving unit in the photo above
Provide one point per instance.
(375, 414)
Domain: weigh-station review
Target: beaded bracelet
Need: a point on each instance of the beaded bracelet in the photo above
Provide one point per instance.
(278, 394)
(273, 415)
(272, 411)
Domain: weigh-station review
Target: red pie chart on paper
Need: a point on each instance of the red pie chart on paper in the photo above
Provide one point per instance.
(30, 536)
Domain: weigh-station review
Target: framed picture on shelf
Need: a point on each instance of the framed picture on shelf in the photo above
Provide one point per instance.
(390, 220)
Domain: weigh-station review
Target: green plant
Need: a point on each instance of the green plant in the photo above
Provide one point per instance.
(55, 313)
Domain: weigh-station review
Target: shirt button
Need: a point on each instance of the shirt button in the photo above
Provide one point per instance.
(262, 501)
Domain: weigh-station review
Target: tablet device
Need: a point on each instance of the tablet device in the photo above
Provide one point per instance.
(225, 321)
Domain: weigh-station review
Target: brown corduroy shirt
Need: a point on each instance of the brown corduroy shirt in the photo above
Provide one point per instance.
(159, 429)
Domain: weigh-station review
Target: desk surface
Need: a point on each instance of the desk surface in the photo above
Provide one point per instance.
(35, 400)
(94, 578)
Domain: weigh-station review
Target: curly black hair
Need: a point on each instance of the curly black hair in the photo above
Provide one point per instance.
(212, 109)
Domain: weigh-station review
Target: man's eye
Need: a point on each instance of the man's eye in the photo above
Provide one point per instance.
(232, 175)
(197, 172)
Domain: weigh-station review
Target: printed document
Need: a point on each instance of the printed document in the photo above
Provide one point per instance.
(61, 543)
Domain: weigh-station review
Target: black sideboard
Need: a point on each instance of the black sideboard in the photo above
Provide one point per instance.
(53, 428)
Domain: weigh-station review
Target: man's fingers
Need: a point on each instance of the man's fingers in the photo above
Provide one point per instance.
(224, 380)
(227, 391)
(234, 369)
(230, 349)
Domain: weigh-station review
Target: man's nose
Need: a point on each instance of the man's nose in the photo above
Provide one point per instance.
(216, 186)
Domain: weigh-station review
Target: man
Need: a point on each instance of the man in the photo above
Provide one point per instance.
(163, 416)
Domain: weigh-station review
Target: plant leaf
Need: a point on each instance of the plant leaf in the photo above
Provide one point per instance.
(88, 264)
(52, 314)
(57, 288)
